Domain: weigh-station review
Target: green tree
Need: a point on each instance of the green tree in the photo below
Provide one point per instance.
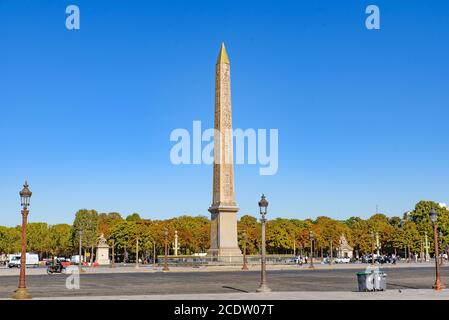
(60, 239)
(10, 240)
(87, 221)
(38, 238)
(133, 217)
(279, 236)
(420, 216)
(252, 227)
(106, 221)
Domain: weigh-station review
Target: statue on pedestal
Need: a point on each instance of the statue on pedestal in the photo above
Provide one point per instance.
(102, 257)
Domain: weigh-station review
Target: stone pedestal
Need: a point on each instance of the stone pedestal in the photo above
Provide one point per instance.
(102, 256)
(223, 243)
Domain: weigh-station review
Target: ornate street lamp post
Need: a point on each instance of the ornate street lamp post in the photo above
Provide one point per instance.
(331, 260)
(154, 255)
(80, 251)
(113, 254)
(373, 236)
(137, 254)
(311, 249)
(377, 244)
(245, 262)
(263, 204)
(402, 225)
(434, 217)
(22, 292)
(422, 251)
(166, 251)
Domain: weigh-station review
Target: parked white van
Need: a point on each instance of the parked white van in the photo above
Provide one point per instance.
(76, 259)
(32, 260)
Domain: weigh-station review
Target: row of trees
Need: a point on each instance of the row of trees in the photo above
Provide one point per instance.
(284, 236)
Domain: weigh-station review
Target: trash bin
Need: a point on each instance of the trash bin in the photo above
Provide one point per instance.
(380, 281)
(365, 281)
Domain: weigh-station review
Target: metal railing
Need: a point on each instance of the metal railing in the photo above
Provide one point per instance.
(196, 261)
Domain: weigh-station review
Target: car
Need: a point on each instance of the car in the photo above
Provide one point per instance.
(295, 260)
(342, 260)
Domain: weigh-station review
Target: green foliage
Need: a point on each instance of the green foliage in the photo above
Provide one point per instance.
(283, 235)
(106, 221)
(38, 237)
(9, 240)
(133, 217)
(60, 239)
(87, 221)
(420, 216)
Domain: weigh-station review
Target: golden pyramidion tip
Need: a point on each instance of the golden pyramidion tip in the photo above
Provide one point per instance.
(223, 55)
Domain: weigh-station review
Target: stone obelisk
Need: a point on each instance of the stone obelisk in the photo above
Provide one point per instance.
(223, 244)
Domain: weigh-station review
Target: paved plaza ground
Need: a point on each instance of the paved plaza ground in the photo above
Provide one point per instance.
(405, 281)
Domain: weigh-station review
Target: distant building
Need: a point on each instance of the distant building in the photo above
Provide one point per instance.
(344, 250)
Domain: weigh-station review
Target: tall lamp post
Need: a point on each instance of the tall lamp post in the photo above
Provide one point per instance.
(331, 252)
(311, 249)
(80, 251)
(434, 217)
(294, 245)
(166, 251)
(373, 236)
(263, 204)
(137, 254)
(245, 262)
(113, 254)
(377, 244)
(154, 255)
(422, 251)
(22, 292)
(402, 224)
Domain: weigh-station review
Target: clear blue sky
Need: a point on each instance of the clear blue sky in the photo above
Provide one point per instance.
(86, 115)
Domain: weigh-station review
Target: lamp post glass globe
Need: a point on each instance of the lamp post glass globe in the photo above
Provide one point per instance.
(25, 195)
(433, 215)
(263, 204)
